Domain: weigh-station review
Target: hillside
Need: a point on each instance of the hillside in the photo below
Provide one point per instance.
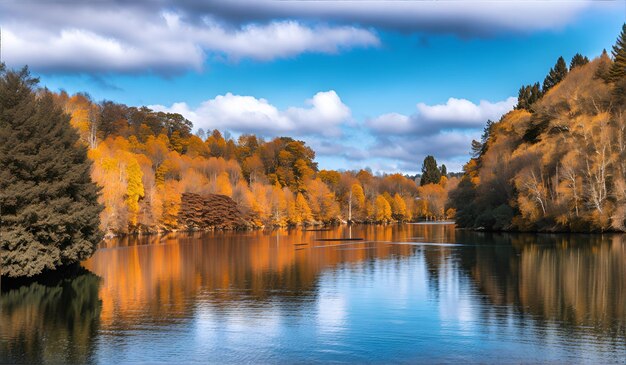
(557, 162)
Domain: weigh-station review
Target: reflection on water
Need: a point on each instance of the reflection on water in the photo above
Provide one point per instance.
(405, 293)
(51, 322)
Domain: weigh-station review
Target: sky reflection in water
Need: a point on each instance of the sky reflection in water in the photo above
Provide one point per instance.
(407, 293)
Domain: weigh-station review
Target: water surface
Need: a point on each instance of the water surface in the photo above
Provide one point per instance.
(406, 294)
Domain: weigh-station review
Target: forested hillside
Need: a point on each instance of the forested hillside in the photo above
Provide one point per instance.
(557, 162)
(146, 160)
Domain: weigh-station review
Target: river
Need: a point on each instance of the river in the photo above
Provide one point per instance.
(411, 293)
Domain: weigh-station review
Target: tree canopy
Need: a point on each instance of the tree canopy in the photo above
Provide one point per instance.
(430, 171)
(50, 213)
(618, 69)
(556, 75)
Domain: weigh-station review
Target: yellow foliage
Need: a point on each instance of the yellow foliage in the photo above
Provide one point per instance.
(399, 208)
(134, 189)
(302, 212)
(382, 212)
(223, 186)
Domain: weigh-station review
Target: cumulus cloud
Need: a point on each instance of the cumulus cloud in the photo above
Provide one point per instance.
(442, 130)
(390, 142)
(323, 115)
(431, 119)
(123, 39)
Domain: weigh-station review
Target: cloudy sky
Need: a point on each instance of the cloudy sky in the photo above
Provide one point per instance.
(376, 84)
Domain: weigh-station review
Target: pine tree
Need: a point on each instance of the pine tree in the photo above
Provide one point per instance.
(527, 96)
(50, 214)
(430, 172)
(556, 75)
(618, 69)
(604, 67)
(577, 61)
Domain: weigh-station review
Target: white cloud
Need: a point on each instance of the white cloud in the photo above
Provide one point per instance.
(391, 142)
(323, 116)
(284, 39)
(125, 40)
(431, 119)
(442, 130)
(398, 123)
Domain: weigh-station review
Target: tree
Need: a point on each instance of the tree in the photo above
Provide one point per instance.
(618, 69)
(356, 202)
(222, 184)
(430, 172)
(604, 67)
(398, 209)
(302, 210)
(382, 210)
(527, 96)
(556, 75)
(444, 170)
(577, 61)
(48, 201)
(134, 190)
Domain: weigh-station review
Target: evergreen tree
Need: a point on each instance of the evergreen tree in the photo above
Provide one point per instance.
(527, 96)
(556, 75)
(578, 60)
(618, 69)
(444, 170)
(477, 149)
(50, 213)
(430, 172)
(604, 67)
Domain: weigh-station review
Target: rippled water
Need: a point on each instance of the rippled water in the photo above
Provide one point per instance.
(406, 294)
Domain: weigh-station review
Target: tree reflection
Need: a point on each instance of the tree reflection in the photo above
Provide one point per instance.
(161, 274)
(51, 321)
(576, 280)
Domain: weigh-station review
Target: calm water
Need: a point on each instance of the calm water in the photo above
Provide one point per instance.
(408, 293)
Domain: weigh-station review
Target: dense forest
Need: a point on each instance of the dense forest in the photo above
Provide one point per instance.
(558, 161)
(71, 169)
(145, 161)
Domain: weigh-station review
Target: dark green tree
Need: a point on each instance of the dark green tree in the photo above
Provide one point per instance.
(430, 172)
(50, 213)
(556, 75)
(618, 69)
(444, 170)
(527, 96)
(577, 61)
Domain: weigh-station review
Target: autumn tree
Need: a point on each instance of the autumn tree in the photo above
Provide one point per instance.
(301, 210)
(382, 210)
(48, 201)
(356, 202)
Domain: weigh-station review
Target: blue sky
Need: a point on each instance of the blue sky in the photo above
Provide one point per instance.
(376, 84)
